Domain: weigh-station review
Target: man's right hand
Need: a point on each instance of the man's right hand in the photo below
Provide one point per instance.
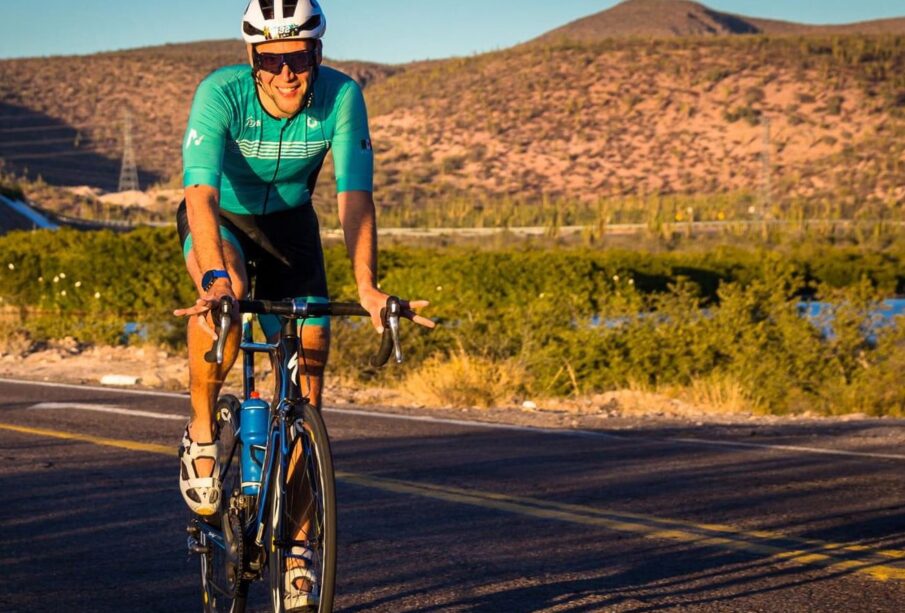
(222, 288)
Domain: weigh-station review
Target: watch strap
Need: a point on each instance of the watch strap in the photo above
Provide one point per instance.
(207, 281)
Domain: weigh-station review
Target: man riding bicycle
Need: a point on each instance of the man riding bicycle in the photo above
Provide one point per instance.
(255, 143)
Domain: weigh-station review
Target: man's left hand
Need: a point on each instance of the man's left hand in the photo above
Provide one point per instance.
(374, 301)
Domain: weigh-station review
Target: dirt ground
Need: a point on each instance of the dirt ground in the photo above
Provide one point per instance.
(152, 368)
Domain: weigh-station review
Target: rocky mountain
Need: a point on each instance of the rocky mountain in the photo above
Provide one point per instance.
(817, 118)
(679, 18)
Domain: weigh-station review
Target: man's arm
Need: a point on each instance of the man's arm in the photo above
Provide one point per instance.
(359, 221)
(202, 205)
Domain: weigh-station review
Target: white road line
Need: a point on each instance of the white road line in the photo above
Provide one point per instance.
(818, 450)
(96, 388)
(102, 408)
(479, 424)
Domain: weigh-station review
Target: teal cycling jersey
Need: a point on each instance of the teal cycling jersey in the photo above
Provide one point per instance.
(262, 164)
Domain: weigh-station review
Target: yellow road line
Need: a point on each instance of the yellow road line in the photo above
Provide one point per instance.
(773, 545)
(95, 440)
(807, 552)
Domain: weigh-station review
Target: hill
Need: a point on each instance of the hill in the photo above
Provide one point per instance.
(630, 117)
(813, 119)
(681, 18)
(62, 118)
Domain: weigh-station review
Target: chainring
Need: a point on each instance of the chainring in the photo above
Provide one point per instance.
(234, 562)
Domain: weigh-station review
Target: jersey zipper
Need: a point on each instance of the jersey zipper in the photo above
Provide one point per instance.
(277, 169)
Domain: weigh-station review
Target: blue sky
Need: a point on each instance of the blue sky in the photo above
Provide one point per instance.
(391, 31)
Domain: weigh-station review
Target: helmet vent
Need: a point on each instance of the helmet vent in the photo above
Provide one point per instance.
(251, 30)
(313, 23)
(289, 7)
(267, 9)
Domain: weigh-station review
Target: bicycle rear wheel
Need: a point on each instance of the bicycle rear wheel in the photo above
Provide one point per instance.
(308, 499)
(224, 589)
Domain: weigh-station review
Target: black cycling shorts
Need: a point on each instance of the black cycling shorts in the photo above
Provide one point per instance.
(282, 251)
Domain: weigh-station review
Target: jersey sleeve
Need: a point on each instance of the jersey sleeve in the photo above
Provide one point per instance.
(205, 136)
(353, 157)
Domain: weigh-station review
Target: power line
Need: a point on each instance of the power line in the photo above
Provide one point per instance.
(45, 156)
(51, 128)
(82, 175)
(50, 141)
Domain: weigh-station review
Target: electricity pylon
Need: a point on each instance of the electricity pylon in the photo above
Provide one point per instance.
(128, 174)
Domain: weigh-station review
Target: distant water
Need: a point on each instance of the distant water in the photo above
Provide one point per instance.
(889, 310)
(821, 313)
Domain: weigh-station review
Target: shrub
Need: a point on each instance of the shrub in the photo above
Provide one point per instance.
(532, 321)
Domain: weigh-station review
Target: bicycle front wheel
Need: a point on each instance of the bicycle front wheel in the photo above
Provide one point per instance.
(302, 526)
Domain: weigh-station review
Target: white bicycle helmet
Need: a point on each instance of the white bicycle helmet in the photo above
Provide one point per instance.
(267, 20)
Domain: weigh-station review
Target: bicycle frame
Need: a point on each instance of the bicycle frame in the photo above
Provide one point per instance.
(285, 354)
(288, 409)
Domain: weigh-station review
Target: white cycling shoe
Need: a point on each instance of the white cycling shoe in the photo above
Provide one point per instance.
(202, 494)
(301, 591)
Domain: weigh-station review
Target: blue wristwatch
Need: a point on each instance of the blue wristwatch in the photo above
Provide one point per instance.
(207, 281)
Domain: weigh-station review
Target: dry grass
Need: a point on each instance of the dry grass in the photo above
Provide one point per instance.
(14, 340)
(462, 380)
(717, 394)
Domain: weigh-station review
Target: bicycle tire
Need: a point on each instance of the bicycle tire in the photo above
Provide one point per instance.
(318, 464)
(220, 592)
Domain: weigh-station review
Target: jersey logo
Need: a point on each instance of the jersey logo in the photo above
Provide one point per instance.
(312, 123)
(251, 122)
(193, 139)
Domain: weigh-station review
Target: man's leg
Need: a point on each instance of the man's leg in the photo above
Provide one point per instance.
(315, 349)
(206, 379)
(312, 360)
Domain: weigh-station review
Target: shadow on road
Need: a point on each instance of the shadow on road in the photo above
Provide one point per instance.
(407, 552)
(99, 528)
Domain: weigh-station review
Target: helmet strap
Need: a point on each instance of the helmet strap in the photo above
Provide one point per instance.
(315, 71)
(309, 95)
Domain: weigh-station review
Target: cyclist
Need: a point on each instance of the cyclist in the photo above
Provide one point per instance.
(256, 140)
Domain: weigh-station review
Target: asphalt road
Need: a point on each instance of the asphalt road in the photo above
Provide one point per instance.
(468, 517)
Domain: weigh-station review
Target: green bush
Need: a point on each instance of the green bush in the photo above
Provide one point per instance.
(572, 320)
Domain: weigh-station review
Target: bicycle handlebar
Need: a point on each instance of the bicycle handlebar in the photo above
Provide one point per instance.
(300, 309)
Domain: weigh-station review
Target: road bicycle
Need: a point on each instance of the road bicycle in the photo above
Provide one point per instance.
(254, 534)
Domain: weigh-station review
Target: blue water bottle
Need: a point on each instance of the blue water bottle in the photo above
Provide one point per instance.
(253, 429)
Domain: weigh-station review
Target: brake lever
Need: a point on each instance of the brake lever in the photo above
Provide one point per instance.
(394, 311)
(215, 355)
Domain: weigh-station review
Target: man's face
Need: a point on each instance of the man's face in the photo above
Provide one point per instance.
(287, 89)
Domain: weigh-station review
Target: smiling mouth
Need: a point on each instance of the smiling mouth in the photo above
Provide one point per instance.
(289, 92)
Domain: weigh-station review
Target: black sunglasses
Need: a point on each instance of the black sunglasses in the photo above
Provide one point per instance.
(298, 61)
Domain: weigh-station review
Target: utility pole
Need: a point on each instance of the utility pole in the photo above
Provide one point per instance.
(128, 174)
(766, 187)
(766, 196)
